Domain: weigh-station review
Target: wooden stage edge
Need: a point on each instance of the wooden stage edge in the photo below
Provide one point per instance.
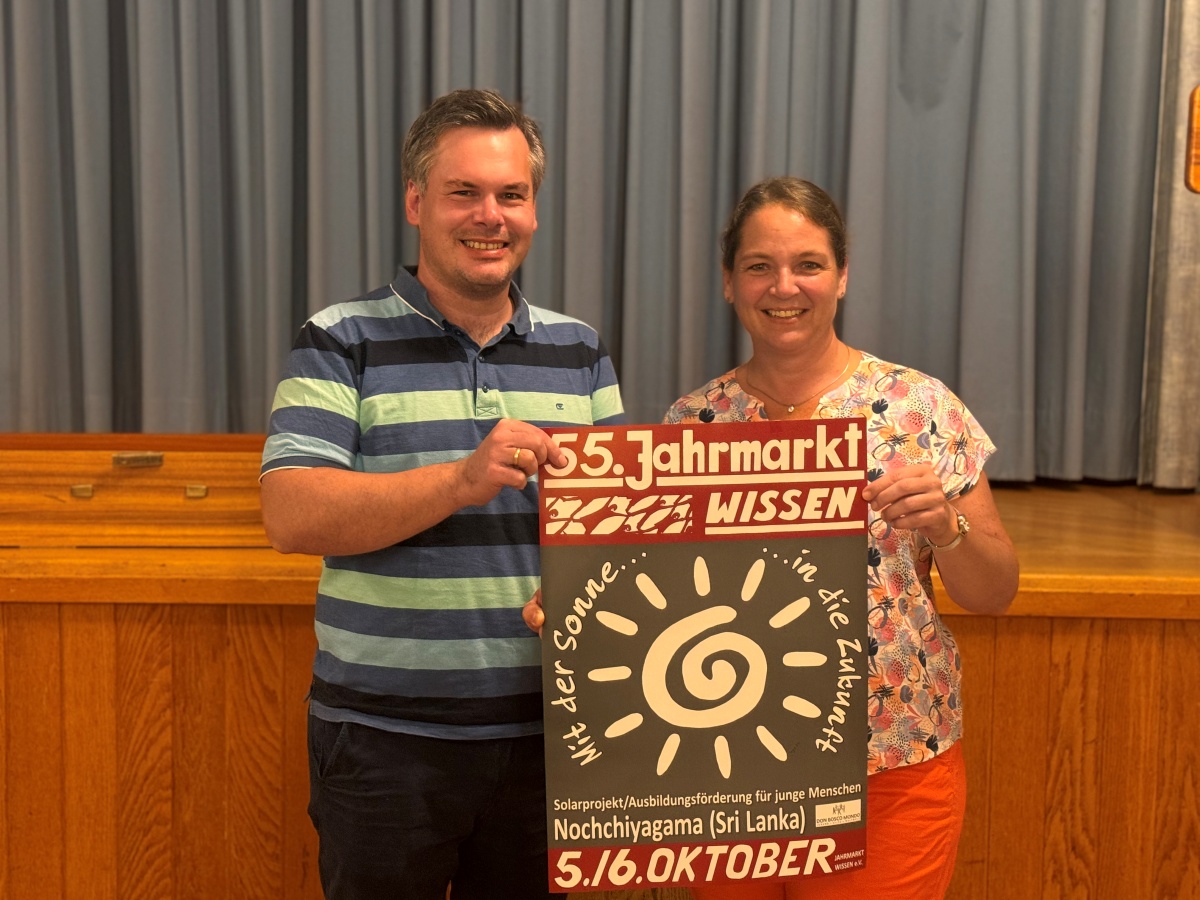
(1101, 551)
(1086, 551)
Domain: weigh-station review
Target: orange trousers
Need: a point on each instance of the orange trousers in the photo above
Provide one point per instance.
(914, 819)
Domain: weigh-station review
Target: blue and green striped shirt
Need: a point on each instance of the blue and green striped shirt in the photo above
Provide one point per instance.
(426, 636)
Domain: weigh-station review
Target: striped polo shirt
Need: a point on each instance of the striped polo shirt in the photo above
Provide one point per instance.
(426, 636)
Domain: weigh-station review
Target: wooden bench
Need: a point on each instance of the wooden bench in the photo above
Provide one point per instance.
(155, 654)
(140, 519)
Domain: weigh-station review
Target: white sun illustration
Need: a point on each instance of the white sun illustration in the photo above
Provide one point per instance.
(720, 681)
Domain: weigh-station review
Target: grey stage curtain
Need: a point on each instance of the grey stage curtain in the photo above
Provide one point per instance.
(1170, 429)
(184, 182)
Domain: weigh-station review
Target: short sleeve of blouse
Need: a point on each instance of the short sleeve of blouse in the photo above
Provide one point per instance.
(917, 418)
(963, 444)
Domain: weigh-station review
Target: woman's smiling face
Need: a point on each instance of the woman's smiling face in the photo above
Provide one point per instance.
(785, 282)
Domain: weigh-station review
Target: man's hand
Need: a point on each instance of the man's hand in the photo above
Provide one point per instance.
(508, 456)
(327, 511)
(533, 614)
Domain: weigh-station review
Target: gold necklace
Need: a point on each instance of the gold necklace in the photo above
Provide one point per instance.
(791, 407)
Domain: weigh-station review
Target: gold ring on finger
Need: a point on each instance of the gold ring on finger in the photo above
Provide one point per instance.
(517, 457)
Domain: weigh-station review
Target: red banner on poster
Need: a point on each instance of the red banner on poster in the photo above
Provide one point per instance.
(705, 653)
(676, 483)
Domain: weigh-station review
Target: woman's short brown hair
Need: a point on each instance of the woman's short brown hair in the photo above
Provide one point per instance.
(799, 196)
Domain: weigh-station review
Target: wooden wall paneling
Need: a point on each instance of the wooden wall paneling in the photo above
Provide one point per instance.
(1177, 826)
(1131, 739)
(215, 442)
(4, 733)
(200, 761)
(301, 878)
(976, 637)
(1077, 650)
(89, 679)
(145, 718)
(1020, 716)
(35, 789)
(255, 722)
(130, 506)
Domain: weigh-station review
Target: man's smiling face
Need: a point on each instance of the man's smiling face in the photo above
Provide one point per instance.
(476, 215)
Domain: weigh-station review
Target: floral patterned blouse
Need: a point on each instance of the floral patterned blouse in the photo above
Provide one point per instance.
(914, 671)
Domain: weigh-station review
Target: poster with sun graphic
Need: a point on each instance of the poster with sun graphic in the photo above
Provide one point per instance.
(704, 653)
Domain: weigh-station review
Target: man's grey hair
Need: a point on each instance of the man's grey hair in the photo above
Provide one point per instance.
(467, 108)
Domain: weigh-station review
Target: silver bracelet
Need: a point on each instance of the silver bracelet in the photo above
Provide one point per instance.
(963, 527)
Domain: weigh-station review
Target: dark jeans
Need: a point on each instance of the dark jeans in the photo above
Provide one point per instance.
(401, 816)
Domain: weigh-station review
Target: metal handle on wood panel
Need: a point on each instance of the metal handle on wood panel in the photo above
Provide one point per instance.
(134, 459)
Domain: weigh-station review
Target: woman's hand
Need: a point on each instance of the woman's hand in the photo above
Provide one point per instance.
(532, 613)
(912, 497)
(981, 572)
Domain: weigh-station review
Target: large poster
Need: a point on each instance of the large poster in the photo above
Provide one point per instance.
(705, 653)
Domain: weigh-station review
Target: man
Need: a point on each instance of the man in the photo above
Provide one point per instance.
(401, 447)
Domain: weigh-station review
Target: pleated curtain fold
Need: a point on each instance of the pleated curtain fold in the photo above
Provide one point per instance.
(183, 183)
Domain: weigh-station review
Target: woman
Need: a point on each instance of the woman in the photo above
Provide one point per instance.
(784, 267)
